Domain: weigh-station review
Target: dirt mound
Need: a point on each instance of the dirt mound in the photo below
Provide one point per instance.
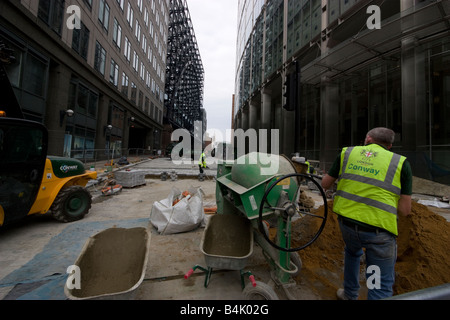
(323, 261)
(423, 260)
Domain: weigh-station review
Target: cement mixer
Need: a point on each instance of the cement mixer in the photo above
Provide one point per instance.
(266, 190)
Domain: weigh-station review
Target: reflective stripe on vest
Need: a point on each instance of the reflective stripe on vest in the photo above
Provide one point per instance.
(371, 192)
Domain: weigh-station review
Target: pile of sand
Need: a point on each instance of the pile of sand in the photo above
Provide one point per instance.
(423, 260)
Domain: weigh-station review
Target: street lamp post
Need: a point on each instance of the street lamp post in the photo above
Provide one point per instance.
(109, 129)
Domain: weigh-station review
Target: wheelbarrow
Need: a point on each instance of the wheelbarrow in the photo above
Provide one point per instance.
(111, 265)
(227, 244)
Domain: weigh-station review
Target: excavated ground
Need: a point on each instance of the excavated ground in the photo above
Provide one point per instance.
(422, 262)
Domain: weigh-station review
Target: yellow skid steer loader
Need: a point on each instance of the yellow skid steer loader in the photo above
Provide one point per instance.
(30, 181)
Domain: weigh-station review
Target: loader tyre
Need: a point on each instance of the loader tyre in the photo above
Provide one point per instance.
(71, 204)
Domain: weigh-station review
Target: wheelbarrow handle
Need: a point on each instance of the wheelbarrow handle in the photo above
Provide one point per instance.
(190, 272)
(252, 280)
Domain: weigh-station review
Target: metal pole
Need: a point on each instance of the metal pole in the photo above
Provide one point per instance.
(441, 292)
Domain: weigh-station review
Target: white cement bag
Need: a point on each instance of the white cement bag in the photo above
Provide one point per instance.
(184, 216)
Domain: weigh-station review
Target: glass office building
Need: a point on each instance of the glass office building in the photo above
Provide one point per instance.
(362, 64)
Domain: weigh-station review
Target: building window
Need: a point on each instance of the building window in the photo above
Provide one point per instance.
(52, 13)
(152, 34)
(150, 54)
(88, 3)
(80, 41)
(147, 105)
(127, 49)
(135, 61)
(133, 92)
(100, 58)
(125, 81)
(103, 14)
(148, 80)
(137, 32)
(35, 76)
(86, 102)
(79, 141)
(120, 3)
(144, 43)
(142, 72)
(130, 15)
(141, 100)
(146, 19)
(114, 73)
(117, 33)
(29, 77)
(117, 117)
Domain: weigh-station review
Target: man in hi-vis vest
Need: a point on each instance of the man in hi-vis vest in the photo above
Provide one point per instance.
(375, 185)
(202, 162)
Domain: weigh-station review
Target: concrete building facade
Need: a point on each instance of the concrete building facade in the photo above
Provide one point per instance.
(361, 64)
(105, 60)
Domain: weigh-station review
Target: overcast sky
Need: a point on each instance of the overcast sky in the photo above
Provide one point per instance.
(215, 27)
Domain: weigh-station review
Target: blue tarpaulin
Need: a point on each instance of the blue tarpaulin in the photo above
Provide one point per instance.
(44, 276)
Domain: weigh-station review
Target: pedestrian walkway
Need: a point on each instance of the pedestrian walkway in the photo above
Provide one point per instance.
(157, 166)
(154, 167)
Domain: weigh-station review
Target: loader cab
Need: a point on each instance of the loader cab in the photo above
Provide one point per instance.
(23, 152)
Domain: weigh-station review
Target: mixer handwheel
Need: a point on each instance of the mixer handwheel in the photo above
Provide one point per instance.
(294, 202)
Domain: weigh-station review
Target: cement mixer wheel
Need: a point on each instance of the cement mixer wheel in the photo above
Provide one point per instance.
(262, 291)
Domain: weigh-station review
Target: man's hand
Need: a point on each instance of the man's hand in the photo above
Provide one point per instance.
(404, 205)
(328, 181)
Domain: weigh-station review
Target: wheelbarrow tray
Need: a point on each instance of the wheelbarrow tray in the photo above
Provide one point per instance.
(227, 242)
(112, 265)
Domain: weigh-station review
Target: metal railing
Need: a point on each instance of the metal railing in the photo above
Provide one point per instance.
(97, 156)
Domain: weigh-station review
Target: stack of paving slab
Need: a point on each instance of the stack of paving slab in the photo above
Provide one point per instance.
(130, 178)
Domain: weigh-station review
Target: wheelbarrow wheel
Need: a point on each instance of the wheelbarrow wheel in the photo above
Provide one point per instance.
(262, 291)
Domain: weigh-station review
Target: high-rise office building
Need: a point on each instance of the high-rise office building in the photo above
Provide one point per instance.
(105, 60)
(184, 86)
(357, 65)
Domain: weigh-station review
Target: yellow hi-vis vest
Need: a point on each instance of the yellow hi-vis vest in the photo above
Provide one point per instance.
(369, 187)
(201, 161)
